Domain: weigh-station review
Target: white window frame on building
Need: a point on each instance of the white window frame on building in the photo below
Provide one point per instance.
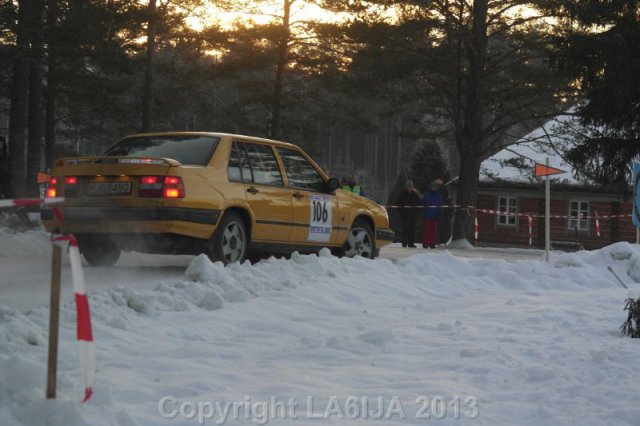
(579, 212)
(507, 205)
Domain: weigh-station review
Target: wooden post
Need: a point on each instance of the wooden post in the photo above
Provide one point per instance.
(54, 319)
(547, 215)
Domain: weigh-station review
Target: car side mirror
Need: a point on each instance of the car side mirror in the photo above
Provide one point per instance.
(333, 184)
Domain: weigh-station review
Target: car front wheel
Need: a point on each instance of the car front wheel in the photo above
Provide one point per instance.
(360, 241)
(229, 243)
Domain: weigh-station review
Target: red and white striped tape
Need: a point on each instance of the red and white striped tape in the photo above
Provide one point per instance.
(448, 206)
(84, 333)
(539, 216)
(499, 213)
(476, 229)
(21, 202)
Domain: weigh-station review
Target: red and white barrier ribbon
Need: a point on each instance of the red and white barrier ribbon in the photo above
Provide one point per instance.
(530, 221)
(502, 213)
(84, 331)
(539, 216)
(21, 202)
(597, 225)
(476, 229)
(446, 206)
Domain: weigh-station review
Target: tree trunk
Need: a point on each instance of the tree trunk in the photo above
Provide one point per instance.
(469, 131)
(281, 68)
(36, 76)
(20, 103)
(52, 85)
(466, 195)
(147, 95)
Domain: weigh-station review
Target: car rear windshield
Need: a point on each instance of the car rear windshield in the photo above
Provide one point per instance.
(187, 149)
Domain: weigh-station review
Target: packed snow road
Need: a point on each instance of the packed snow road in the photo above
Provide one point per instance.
(25, 268)
(25, 271)
(431, 338)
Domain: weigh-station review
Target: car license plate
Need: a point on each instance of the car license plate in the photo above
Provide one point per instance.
(109, 188)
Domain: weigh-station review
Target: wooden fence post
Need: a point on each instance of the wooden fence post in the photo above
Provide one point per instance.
(54, 319)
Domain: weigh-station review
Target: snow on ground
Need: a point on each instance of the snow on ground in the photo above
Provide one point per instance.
(487, 341)
(395, 251)
(25, 270)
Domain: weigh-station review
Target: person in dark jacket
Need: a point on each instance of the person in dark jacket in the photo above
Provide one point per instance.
(408, 200)
(431, 213)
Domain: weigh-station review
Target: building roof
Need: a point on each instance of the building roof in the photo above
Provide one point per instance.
(516, 162)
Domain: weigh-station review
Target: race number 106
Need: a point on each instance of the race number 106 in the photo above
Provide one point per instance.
(440, 407)
(320, 213)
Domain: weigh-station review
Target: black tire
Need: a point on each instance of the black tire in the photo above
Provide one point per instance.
(230, 241)
(100, 251)
(361, 241)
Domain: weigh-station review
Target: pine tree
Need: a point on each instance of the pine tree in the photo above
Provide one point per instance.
(603, 52)
(18, 118)
(486, 67)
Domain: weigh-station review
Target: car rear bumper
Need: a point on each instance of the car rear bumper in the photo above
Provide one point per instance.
(199, 223)
(204, 216)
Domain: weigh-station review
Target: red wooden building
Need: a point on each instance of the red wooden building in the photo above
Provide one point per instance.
(575, 206)
(507, 185)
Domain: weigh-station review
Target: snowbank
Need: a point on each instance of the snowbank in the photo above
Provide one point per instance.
(534, 343)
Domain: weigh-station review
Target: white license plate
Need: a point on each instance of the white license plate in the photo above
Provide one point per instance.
(109, 188)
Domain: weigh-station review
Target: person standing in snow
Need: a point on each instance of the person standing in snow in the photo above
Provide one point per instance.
(431, 213)
(408, 201)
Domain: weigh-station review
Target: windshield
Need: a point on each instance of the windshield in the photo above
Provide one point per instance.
(187, 149)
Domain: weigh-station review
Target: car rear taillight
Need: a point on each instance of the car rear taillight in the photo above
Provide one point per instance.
(52, 191)
(150, 186)
(71, 186)
(158, 186)
(173, 187)
(149, 180)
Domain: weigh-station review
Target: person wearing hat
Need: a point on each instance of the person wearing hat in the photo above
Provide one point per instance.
(351, 185)
(431, 213)
(408, 202)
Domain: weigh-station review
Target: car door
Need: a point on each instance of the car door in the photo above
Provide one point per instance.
(315, 212)
(255, 165)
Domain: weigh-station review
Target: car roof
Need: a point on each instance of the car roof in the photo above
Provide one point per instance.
(216, 134)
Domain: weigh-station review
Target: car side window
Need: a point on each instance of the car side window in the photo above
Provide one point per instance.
(264, 164)
(300, 173)
(239, 169)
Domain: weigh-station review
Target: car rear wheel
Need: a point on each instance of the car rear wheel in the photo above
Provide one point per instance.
(229, 243)
(100, 251)
(360, 241)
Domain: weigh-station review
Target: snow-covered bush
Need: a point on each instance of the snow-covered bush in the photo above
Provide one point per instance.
(16, 221)
(631, 326)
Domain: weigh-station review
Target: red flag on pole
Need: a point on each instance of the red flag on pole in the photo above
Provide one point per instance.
(544, 170)
(42, 177)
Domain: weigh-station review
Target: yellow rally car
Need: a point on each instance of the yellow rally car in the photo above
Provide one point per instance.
(229, 196)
